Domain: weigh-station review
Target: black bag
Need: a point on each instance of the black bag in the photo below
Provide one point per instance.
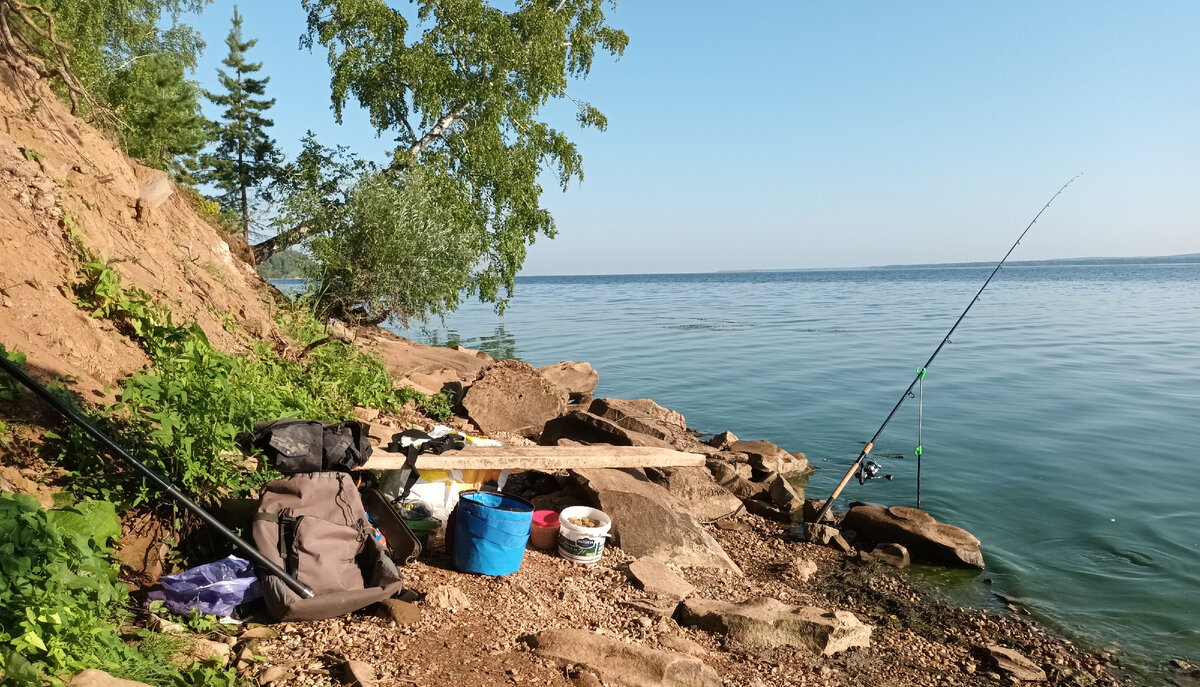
(314, 526)
(294, 446)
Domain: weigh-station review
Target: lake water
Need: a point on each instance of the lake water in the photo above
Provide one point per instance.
(1059, 426)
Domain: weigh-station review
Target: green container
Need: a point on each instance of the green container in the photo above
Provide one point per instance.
(421, 529)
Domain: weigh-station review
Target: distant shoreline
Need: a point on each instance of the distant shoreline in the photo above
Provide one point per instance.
(1182, 259)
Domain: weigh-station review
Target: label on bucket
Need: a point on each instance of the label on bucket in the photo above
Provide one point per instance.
(582, 547)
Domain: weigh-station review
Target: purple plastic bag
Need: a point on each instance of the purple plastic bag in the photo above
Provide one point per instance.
(213, 588)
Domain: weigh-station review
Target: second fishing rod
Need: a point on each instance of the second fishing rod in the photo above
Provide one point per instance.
(858, 462)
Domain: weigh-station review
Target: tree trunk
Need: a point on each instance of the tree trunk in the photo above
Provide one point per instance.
(280, 242)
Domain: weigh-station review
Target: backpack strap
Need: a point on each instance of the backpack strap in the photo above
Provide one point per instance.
(287, 536)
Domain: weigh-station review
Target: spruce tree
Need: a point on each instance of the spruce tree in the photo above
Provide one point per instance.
(245, 156)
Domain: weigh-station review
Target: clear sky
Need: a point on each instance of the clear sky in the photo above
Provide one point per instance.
(755, 135)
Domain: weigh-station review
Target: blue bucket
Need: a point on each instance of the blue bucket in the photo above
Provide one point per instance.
(490, 532)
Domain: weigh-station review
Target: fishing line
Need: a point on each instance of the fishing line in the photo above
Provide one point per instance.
(854, 467)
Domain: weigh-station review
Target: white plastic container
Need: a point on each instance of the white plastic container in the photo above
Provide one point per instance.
(582, 544)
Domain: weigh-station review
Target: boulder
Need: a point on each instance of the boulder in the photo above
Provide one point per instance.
(623, 663)
(770, 623)
(825, 535)
(1015, 663)
(511, 396)
(706, 499)
(400, 612)
(432, 382)
(593, 429)
(579, 379)
(722, 441)
(405, 358)
(925, 538)
(891, 554)
(783, 494)
(766, 509)
(654, 577)
(814, 506)
(766, 458)
(647, 417)
(724, 471)
(649, 521)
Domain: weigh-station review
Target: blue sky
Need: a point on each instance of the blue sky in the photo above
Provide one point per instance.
(835, 134)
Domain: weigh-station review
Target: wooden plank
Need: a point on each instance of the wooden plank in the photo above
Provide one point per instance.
(540, 458)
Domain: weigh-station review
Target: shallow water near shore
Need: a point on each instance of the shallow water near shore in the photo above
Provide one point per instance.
(1058, 425)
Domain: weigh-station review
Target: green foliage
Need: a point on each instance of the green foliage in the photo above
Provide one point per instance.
(461, 90)
(10, 388)
(246, 156)
(182, 416)
(290, 264)
(131, 56)
(160, 108)
(439, 406)
(59, 598)
(395, 251)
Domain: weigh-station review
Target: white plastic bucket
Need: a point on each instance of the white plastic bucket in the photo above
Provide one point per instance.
(582, 544)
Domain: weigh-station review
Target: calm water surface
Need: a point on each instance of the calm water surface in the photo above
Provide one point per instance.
(1060, 426)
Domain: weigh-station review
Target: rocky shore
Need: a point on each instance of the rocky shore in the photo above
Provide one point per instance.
(705, 581)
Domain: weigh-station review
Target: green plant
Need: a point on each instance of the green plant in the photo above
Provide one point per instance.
(439, 406)
(59, 596)
(9, 387)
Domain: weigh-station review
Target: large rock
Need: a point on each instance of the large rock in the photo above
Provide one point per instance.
(925, 538)
(623, 663)
(406, 359)
(728, 477)
(1016, 664)
(649, 521)
(592, 429)
(654, 577)
(784, 494)
(706, 499)
(647, 417)
(579, 379)
(770, 623)
(511, 396)
(766, 458)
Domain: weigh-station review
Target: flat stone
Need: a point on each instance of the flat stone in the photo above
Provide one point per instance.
(401, 612)
(358, 674)
(448, 597)
(1015, 663)
(654, 577)
(655, 608)
(766, 457)
(766, 509)
(579, 379)
(623, 663)
(258, 632)
(770, 623)
(649, 521)
(683, 645)
(511, 396)
(593, 429)
(642, 415)
(98, 678)
(925, 538)
(272, 675)
(695, 486)
(206, 650)
(728, 525)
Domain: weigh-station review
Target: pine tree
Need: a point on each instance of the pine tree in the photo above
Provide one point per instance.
(245, 156)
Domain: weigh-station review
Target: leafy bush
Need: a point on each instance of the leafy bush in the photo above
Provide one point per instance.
(59, 598)
(182, 417)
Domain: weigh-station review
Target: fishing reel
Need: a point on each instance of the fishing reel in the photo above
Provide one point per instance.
(869, 470)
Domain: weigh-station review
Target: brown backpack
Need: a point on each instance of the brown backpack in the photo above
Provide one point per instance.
(315, 527)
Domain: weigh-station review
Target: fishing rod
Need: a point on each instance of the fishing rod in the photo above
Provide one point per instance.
(74, 416)
(921, 371)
